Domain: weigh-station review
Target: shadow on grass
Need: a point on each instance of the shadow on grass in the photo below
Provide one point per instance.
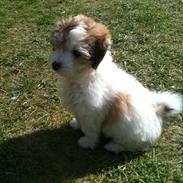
(52, 156)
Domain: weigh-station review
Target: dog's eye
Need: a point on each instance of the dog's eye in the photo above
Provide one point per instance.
(76, 53)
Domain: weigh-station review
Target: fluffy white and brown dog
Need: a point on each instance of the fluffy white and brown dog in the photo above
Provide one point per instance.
(102, 97)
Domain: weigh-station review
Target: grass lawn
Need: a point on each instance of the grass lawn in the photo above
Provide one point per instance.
(36, 144)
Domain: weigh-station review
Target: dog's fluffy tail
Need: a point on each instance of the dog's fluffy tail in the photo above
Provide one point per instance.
(168, 104)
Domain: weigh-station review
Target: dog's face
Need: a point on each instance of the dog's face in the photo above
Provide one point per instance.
(79, 45)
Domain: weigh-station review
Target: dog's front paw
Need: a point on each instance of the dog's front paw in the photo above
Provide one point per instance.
(74, 124)
(87, 142)
(113, 147)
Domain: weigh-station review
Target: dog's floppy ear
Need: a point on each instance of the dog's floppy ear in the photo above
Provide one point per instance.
(98, 52)
(101, 42)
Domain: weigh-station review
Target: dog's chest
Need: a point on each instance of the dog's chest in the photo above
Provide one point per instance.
(77, 96)
(73, 95)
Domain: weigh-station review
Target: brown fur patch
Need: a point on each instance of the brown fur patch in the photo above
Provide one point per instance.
(163, 110)
(98, 40)
(63, 27)
(95, 31)
(119, 108)
(98, 32)
(89, 22)
(61, 31)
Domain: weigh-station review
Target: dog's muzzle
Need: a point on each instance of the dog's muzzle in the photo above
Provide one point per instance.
(56, 66)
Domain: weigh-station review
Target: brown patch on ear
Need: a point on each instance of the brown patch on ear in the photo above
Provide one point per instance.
(99, 41)
(98, 53)
(119, 109)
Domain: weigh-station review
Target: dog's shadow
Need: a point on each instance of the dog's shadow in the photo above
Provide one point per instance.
(53, 156)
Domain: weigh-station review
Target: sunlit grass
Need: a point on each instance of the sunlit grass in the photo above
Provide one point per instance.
(36, 144)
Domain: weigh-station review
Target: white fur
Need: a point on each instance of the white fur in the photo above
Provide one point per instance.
(169, 99)
(88, 95)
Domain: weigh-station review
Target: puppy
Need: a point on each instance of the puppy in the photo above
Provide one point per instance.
(102, 97)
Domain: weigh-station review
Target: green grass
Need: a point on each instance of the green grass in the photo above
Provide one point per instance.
(36, 144)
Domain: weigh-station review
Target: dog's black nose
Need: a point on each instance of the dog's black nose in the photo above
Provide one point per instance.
(56, 66)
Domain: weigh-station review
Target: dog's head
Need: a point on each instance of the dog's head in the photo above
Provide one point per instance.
(79, 44)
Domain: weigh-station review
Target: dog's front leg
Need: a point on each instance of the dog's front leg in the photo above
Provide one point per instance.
(74, 124)
(91, 128)
(88, 142)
